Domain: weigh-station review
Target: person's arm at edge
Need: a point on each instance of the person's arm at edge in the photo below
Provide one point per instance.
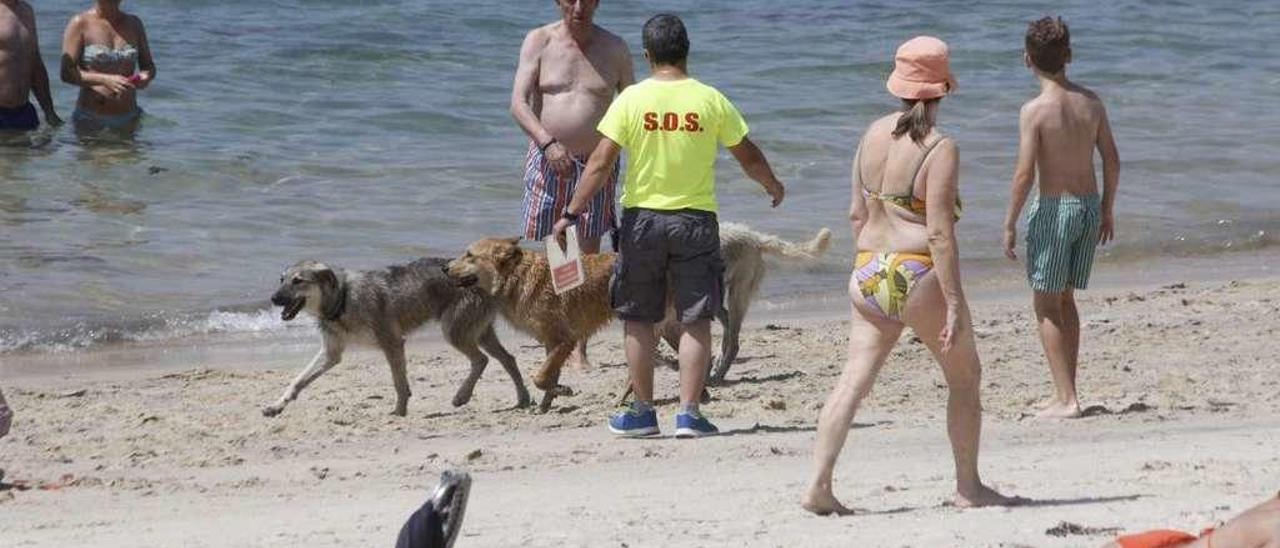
(146, 64)
(940, 222)
(757, 168)
(1024, 176)
(1110, 176)
(599, 167)
(40, 79)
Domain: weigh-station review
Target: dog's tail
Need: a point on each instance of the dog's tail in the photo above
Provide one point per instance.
(807, 251)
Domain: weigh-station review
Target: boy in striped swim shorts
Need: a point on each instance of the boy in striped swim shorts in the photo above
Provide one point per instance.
(1059, 130)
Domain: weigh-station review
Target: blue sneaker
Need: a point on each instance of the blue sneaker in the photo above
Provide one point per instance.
(631, 423)
(690, 426)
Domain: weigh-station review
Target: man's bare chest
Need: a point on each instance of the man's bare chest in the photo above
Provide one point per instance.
(14, 36)
(570, 70)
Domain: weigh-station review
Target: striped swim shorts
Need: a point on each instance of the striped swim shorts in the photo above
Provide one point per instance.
(546, 194)
(1062, 235)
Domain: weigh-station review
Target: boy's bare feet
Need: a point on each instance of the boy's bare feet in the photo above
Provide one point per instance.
(985, 496)
(824, 504)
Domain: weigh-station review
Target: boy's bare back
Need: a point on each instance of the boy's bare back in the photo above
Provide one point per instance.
(1067, 123)
(1058, 132)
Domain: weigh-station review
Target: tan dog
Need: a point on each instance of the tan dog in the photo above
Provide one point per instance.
(520, 280)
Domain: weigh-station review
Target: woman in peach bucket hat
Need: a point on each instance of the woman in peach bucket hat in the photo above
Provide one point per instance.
(906, 274)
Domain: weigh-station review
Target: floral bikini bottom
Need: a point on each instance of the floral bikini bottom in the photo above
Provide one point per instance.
(885, 279)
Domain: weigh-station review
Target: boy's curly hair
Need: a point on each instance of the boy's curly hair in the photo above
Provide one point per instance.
(1048, 44)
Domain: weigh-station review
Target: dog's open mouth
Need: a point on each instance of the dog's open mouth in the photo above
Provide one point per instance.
(291, 310)
(467, 281)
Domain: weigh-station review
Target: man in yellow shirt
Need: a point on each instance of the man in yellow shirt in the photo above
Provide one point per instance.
(671, 126)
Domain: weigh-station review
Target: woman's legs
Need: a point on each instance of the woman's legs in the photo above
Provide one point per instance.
(870, 340)
(962, 369)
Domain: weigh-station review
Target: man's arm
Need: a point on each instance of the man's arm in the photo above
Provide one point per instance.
(599, 167)
(40, 75)
(757, 168)
(628, 72)
(526, 83)
(1024, 175)
(1110, 177)
(522, 93)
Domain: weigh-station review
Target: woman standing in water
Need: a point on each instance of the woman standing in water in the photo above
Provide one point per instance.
(906, 274)
(105, 52)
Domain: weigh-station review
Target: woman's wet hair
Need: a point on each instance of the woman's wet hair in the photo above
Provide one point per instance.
(1048, 44)
(915, 119)
(665, 39)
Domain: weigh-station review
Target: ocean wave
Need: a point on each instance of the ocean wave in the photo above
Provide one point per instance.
(86, 334)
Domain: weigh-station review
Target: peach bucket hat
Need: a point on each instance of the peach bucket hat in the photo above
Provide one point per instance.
(921, 69)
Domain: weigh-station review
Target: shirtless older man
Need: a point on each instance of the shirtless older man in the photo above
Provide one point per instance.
(22, 70)
(569, 72)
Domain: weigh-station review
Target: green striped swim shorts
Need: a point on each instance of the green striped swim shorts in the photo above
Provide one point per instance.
(1062, 235)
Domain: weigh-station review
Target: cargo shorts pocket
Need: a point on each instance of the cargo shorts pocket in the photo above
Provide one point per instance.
(637, 287)
(697, 268)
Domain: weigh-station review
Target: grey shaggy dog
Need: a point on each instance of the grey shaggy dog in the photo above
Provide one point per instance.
(380, 308)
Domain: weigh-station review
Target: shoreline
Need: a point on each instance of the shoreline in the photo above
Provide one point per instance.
(1184, 409)
(263, 350)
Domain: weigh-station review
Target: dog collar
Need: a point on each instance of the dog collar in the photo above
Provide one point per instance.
(339, 304)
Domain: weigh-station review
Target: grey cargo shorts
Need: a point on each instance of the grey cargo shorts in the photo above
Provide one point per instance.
(667, 252)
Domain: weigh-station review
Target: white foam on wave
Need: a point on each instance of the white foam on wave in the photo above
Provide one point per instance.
(84, 335)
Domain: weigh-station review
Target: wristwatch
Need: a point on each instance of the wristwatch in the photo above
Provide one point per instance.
(568, 216)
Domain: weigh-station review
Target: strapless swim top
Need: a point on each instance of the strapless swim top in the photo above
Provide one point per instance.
(104, 58)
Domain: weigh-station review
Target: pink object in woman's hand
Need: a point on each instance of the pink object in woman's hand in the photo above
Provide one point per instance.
(135, 78)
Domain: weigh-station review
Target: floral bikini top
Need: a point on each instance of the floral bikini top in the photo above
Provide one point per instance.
(908, 199)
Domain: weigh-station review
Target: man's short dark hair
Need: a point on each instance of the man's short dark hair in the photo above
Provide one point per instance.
(665, 39)
(1048, 44)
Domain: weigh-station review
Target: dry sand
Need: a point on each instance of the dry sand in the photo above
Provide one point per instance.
(1184, 431)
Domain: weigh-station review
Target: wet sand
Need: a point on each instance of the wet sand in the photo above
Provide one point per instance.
(1183, 425)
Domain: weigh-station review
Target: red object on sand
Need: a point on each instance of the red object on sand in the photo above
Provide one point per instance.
(1155, 539)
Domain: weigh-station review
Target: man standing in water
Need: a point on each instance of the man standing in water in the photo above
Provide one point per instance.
(569, 73)
(1060, 129)
(22, 70)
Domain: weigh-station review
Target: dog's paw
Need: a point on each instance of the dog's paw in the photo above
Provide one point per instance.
(400, 411)
(272, 410)
(524, 400)
(460, 400)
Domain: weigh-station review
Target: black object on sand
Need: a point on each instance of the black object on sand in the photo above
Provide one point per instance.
(437, 522)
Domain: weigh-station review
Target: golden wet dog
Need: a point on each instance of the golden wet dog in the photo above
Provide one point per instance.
(520, 280)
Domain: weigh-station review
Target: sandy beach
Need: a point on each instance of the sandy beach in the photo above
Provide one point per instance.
(1182, 431)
